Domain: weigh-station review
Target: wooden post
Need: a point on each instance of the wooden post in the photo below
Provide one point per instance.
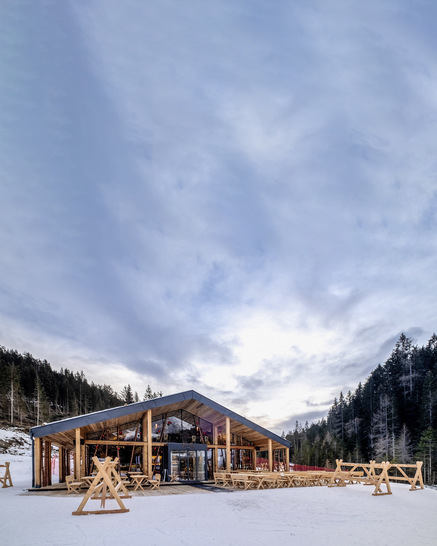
(61, 465)
(270, 456)
(44, 463)
(228, 444)
(144, 439)
(215, 451)
(77, 456)
(47, 472)
(67, 463)
(149, 444)
(37, 455)
(383, 478)
(417, 477)
(287, 459)
(83, 471)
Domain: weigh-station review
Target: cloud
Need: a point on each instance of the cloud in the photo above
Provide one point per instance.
(233, 196)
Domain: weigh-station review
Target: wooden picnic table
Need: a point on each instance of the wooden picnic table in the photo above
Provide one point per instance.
(138, 480)
(88, 480)
(258, 480)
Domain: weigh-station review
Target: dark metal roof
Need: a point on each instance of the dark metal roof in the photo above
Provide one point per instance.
(155, 403)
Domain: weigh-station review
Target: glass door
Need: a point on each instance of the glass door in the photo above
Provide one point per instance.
(188, 464)
(183, 465)
(192, 466)
(201, 466)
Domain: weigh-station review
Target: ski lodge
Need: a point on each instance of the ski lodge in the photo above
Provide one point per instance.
(184, 436)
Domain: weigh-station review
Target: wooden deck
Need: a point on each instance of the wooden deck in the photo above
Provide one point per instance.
(170, 489)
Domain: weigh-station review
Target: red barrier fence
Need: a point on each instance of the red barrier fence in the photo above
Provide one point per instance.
(264, 464)
(304, 468)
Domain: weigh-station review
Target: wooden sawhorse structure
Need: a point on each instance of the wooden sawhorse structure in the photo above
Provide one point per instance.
(6, 479)
(106, 485)
(375, 474)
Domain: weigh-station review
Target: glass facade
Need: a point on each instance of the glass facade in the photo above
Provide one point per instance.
(181, 427)
(181, 448)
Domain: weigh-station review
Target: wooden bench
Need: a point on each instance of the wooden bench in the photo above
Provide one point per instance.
(243, 480)
(223, 478)
(270, 480)
(6, 479)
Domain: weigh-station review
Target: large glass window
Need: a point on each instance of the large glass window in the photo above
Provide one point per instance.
(221, 459)
(181, 427)
(129, 457)
(129, 432)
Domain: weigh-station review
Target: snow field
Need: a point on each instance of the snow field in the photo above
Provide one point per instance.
(299, 516)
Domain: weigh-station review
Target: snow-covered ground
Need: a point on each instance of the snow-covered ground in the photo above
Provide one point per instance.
(299, 516)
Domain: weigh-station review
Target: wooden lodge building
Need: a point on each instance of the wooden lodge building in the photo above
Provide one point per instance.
(186, 436)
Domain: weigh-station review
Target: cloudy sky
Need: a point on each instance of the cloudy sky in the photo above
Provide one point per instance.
(236, 197)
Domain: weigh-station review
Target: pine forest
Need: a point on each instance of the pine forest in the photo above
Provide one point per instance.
(392, 416)
(32, 393)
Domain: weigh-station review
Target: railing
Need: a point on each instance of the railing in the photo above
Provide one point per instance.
(377, 474)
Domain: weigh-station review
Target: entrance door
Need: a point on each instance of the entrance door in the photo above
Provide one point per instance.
(188, 464)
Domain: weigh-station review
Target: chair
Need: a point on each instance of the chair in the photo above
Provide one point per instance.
(155, 483)
(72, 486)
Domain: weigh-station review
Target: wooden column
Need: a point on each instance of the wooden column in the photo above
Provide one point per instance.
(228, 444)
(37, 455)
(215, 442)
(67, 463)
(61, 465)
(144, 439)
(253, 458)
(287, 459)
(149, 443)
(77, 456)
(83, 471)
(43, 463)
(270, 456)
(47, 471)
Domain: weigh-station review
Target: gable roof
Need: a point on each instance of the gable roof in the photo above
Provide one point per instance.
(190, 400)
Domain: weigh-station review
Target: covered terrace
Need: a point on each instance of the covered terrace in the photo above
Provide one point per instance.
(184, 437)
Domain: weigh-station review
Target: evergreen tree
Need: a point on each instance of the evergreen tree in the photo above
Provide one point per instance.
(426, 452)
(149, 394)
(127, 395)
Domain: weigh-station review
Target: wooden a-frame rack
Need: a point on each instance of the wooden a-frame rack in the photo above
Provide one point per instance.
(6, 479)
(376, 474)
(106, 485)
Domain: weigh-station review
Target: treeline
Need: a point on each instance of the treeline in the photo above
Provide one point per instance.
(392, 417)
(31, 392)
